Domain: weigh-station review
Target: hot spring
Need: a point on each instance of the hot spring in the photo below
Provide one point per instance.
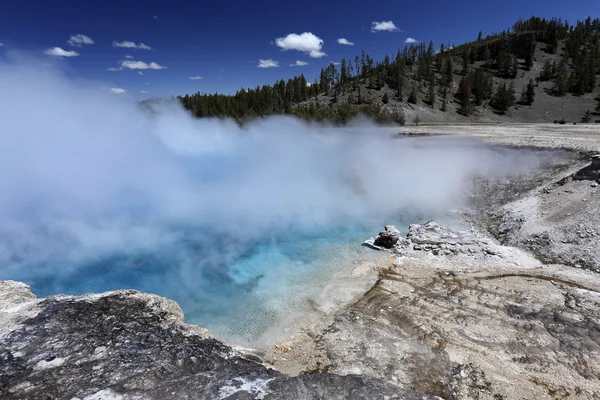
(239, 224)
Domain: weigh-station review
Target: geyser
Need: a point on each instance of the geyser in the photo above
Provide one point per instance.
(98, 192)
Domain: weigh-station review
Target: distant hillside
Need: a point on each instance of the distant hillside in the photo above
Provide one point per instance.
(540, 71)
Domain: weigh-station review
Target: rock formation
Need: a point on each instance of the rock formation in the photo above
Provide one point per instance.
(131, 345)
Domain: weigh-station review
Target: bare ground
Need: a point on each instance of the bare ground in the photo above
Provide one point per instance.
(484, 319)
(580, 137)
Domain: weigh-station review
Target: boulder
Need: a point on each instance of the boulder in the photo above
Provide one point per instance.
(388, 238)
(591, 172)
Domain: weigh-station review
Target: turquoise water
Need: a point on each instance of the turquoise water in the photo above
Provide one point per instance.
(235, 288)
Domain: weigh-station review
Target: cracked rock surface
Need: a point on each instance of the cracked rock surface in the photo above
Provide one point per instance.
(461, 317)
(558, 221)
(130, 345)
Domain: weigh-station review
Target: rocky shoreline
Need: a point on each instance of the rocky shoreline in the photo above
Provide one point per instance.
(455, 316)
(131, 345)
(509, 309)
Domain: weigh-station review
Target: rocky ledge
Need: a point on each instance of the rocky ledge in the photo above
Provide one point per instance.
(558, 220)
(131, 345)
(438, 240)
(460, 316)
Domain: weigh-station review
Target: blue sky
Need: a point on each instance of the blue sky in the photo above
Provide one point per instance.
(223, 41)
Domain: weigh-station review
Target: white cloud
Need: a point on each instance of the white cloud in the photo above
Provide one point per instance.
(58, 52)
(117, 90)
(140, 73)
(131, 45)
(1, 44)
(195, 78)
(155, 17)
(335, 63)
(306, 42)
(127, 56)
(140, 65)
(411, 40)
(79, 40)
(384, 26)
(114, 69)
(299, 63)
(345, 42)
(144, 92)
(267, 63)
(146, 83)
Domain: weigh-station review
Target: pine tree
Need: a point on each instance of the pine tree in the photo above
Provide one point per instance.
(590, 75)
(343, 72)
(363, 66)
(444, 99)
(530, 55)
(587, 117)
(430, 51)
(511, 93)
(465, 61)
(479, 86)
(412, 97)
(431, 93)
(515, 68)
(530, 92)
(380, 78)
(561, 81)
(323, 81)
(464, 90)
(472, 55)
(501, 61)
(504, 98)
(552, 37)
(422, 71)
(486, 56)
(385, 99)
(399, 83)
(371, 82)
(303, 88)
(546, 73)
(449, 71)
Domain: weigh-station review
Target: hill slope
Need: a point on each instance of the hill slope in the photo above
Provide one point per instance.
(479, 81)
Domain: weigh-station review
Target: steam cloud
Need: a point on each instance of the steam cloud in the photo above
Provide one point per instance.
(89, 180)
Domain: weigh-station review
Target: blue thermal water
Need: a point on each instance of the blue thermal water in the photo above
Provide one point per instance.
(235, 288)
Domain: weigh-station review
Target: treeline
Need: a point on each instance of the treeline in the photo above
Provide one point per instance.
(422, 68)
(499, 56)
(265, 100)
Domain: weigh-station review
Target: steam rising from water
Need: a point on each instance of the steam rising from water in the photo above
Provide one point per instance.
(98, 193)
